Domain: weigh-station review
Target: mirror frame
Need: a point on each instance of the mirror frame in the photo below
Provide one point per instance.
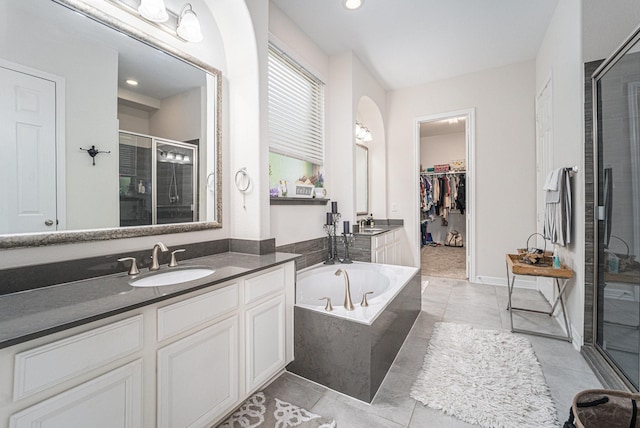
(65, 237)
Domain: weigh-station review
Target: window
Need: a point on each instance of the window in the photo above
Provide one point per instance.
(296, 119)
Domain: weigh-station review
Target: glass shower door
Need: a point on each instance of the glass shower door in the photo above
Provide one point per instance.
(617, 91)
(175, 195)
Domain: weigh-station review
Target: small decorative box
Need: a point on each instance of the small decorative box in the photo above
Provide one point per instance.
(458, 165)
(441, 168)
(303, 191)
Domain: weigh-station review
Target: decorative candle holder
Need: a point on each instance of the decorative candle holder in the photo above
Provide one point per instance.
(348, 240)
(330, 229)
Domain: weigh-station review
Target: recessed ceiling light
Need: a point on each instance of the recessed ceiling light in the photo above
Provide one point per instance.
(132, 82)
(353, 4)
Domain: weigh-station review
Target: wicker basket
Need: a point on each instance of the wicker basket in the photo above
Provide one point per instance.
(535, 256)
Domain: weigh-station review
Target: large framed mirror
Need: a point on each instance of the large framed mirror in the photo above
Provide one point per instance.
(71, 169)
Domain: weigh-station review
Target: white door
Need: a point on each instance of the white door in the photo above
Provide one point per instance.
(28, 145)
(544, 136)
(265, 341)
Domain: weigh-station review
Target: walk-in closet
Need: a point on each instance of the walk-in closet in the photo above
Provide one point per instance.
(443, 196)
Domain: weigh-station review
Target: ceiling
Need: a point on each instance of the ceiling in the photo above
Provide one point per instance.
(405, 43)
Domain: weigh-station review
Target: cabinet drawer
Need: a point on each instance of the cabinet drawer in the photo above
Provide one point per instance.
(45, 366)
(113, 399)
(264, 284)
(182, 316)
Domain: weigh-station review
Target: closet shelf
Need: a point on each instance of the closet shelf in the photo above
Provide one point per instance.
(444, 173)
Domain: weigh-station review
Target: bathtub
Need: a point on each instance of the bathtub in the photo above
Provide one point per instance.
(351, 351)
(385, 281)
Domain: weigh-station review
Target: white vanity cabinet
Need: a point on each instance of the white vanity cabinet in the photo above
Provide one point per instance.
(386, 248)
(198, 374)
(184, 362)
(114, 396)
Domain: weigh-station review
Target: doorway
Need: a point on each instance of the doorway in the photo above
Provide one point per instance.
(444, 194)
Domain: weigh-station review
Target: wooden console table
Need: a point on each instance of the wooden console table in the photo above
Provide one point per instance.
(561, 278)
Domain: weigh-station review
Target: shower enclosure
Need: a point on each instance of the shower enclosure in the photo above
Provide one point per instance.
(616, 89)
(158, 180)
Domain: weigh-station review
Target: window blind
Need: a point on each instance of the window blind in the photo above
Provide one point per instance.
(296, 109)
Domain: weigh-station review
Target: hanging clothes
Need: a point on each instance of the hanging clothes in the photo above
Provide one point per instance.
(557, 219)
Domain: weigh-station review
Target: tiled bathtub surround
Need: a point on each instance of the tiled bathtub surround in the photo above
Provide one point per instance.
(315, 251)
(351, 357)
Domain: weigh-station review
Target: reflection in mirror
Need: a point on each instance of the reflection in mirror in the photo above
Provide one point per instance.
(362, 179)
(74, 82)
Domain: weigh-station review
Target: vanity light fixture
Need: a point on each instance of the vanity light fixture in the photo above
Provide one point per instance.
(188, 24)
(362, 133)
(184, 26)
(186, 158)
(178, 157)
(353, 4)
(153, 10)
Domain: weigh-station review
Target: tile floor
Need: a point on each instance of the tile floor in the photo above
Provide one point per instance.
(453, 301)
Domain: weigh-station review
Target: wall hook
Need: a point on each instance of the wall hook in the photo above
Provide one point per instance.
(93, 152)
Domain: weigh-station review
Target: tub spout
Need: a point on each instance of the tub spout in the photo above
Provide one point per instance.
(348, 304)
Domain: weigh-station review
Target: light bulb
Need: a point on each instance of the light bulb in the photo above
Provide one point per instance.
(153, 10)
(188, 25)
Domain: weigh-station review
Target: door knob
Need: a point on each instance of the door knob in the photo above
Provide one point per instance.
(48, 223)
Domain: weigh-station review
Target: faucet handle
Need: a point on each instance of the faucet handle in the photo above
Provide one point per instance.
(174, 262)
(364, 299)
(133, 270)
(328, 306)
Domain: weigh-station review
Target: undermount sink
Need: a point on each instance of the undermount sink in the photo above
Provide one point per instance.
(171, 277)
(371, 230)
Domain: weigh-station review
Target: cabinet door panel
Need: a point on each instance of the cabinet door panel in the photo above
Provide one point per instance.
(113, 400)
(265, 325)
(198, 376)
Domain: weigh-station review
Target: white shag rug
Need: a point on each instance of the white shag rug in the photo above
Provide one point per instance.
(484, 377)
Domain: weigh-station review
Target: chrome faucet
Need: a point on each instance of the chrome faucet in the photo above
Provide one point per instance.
(154, 255)
(348, 304)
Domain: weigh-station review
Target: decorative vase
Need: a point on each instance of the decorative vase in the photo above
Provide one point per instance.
(319, 192)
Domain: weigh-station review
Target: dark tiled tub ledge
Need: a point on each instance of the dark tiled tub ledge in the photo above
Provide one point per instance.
(35, 313)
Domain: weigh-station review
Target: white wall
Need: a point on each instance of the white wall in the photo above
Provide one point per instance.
(442, 149)
(560, 58)
(295, 223)
(346, 81)
(505, 153)
(179, 117)
(606, 24)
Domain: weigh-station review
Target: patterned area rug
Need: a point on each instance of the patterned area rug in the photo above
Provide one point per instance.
(261, 410)
(484, 377)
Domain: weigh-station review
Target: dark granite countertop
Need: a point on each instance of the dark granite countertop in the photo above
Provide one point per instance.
(377, 230)
(35, 313)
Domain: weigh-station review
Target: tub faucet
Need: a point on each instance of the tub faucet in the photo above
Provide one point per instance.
(348, 304)
(154, 255)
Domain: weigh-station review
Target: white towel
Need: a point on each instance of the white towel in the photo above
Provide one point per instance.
(553, 178)
(552, 186)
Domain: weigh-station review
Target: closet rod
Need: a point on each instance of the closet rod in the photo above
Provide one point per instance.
(443, 173)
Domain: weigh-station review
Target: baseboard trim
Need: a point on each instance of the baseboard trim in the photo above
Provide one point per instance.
(494, 280)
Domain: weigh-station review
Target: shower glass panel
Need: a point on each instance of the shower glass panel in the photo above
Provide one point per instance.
(617, 102)
(158, 180)
(176, 166)
(136, 205)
